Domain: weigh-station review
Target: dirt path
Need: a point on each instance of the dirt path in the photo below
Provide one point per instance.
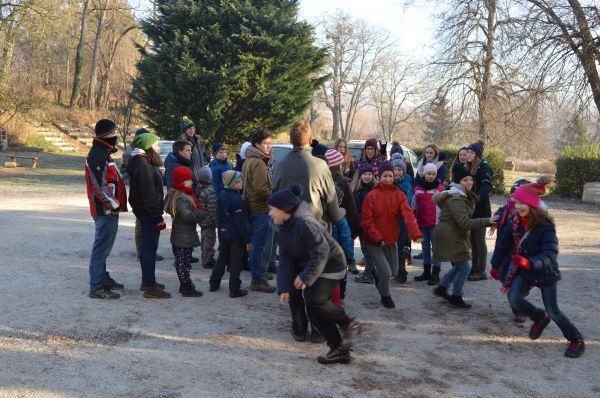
(56, 342)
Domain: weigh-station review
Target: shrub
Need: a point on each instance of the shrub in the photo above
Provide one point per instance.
(574, 167)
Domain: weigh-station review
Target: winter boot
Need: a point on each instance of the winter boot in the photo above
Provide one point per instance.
(262, 286)
(104, 293)
(335, 356)
(155, 291)
(538, 327)
(110, 283)
(435, 276)
(144, 285)
(426, 275)
(189, 290)
(387, 302)
(239, 293)
(458, 301)
(575, 349)
(441, 291)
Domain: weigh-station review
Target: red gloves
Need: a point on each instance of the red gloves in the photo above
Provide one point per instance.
(521, 262)
(494, 274)
(160, 226)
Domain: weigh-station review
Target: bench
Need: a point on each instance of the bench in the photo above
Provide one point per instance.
(30, 153)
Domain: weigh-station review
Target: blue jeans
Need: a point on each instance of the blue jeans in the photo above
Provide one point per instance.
(106, 231)
(427, 246)
(516, 297)
(458, 273)
(149, 247)
(261, 226)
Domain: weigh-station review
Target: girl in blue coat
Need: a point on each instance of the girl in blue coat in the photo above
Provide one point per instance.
(529, 240)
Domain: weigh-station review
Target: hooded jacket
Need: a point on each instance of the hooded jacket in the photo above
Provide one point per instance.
(343, 183)
(186, 216)
(218, 167)
(231, 214)
(257, 184)
(145, 189)
(426, 210)
(172, 161)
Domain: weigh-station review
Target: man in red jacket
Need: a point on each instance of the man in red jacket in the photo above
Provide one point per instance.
(107, 197)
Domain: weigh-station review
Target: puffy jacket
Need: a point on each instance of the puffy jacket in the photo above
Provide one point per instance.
(347, 203)
(218, 167)
(308, 251)
(540, 247)
(105, 186)
(482, 180)
(208, 202)
(145, 189)
(427, 211)
(381, 209)
(258, 184)
(231, 214)
(342, 235)
(173, 161)
(406, 186)
(186, 216)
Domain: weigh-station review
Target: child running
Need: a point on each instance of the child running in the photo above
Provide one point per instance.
(181, 203)
(529, 240)
(404, 182)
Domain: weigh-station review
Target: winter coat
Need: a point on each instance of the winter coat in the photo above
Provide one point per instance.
(200, 156)
(381, 209)
(145, 189)
(185, 219)
(482, 180)
(359, 198)
(406, 186)
(342, 235)
(315, 178)
(105, 187)
(347, 202)
(308, 251)
(257, 181)
(231, 215)
(427, 212)
(451, 237)
(439, 163)
(208, 202)
(218, 167)
(540, 247)
(173, 161)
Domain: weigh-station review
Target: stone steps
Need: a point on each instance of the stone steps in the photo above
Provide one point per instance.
(59, 140)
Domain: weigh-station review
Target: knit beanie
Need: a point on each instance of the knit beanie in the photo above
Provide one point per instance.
(244, 148)
(141, 130)
(216, 147)
(372, 142)
(385, 166)
(144, 141)
(398, 162)
(104, 127)
(530, 193)
(334, 157)
(318, 150)
(229, 178)
(396, 148)
(477, 147)
(364, 167)
(205, 175)
(185, 124)
(181, 174)
(459, 172)
(518, 183)
(287, 199)
(429, 167)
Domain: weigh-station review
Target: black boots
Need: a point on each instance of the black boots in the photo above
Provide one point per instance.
(435, 276)
(458, 301)
(335, 356)
(441, 291)
(189, 290)
(426, 275)
(387, 302)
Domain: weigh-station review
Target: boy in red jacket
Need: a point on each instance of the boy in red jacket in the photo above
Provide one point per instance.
(381, 209)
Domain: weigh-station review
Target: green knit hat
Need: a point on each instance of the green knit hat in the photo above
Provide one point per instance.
(185, 124)
(144, 141)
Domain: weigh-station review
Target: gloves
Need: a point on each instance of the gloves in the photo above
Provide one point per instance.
(521, 262)
(160, 226)
(381, 243)
(494, 274)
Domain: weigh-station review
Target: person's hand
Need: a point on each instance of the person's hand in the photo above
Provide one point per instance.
(284, 298)
(248, 247)
(492, 230)
(418, 240)
(521, 262)
(115, 211)
(494, 274)
(298, 284)
(381, 243)
(494, 219)
(160, 226)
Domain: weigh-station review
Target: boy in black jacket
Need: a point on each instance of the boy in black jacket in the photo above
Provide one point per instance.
(312, 261)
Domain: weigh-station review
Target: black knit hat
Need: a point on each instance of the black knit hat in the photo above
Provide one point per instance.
(104, 127)
(477, 147)
(287, 199)
(141, 130)
(318, 150)
(459, 172)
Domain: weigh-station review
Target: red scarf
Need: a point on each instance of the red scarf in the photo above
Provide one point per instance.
(187, 190)
(524, 221)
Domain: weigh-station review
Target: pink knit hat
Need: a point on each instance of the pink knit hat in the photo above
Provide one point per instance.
(530, 193)
(429, 167)
(334, 157)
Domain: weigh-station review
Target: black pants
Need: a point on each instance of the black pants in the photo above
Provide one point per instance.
(478, 251)
(324, 315)
(231, 253)
(403, 243)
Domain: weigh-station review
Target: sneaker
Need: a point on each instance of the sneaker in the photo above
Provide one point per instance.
(155, 291)
(442, 291)
(364, 278)
(300, 338)
(316, 338)
(350, 334)
(538, 327)
(210, 265)
(519, 318)
(418, 256)
(240, 293)
(194, 260)
(110, 283)
(262, 286)
(335, 356)
(352, 268)
(477, 277)
(387, 302)
(104, 293)
(458, 301)
(575, 349)
(143, 286)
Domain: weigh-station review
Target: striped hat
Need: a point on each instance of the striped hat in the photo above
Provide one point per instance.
(334, 157)
(230, 177)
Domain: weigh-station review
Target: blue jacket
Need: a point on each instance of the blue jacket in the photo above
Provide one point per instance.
(171, 163)
(342, 235)
(540, 247)
(218, 167)
(231, 214)
(308, 251)
(406, 186)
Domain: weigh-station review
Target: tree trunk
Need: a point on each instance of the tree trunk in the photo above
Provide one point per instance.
(7, 56)
(486, 81)
(94, 74)
(79, 58)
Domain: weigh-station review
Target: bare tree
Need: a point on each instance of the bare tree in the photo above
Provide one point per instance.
(79, 56)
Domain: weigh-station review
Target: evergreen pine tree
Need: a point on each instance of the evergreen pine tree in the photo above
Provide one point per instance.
(575, 133)
(439, 123)
(230, 65)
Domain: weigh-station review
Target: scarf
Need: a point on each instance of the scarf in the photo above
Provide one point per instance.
(137, 152)
(187, 190)
(517, 220)
(428, 186)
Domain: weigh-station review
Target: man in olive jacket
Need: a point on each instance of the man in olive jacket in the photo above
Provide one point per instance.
(311, 173)
(257, 185)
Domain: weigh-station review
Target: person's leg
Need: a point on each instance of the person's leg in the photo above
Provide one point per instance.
(474, 253)
(401, 275)
(183, 265)
(222, 262)
(149, 247)
(392, 258)
(427, 244)
(369, 267)
(382, 269)
(208, 252)
(260, 229)
(516, 297)
(236, 263)
(298, 311)
(138, 237)
(479, 252)
(461, 273)
(449, 276)
(105, 233)
(549, 296)
(267, 252)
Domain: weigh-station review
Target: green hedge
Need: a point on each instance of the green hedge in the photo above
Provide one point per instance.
(494, 156)
(574, 167)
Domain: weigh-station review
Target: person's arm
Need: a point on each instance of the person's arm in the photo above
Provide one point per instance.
(409, 218)
(97, 170)
(149, 192)
(259, 179)
(441, 174)
(462, 217)
(312, 236)
(485, 181)
(545, 260)
(285, 272)
(211, 205)
(238, 215)
(351, 211)
(187, 214)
